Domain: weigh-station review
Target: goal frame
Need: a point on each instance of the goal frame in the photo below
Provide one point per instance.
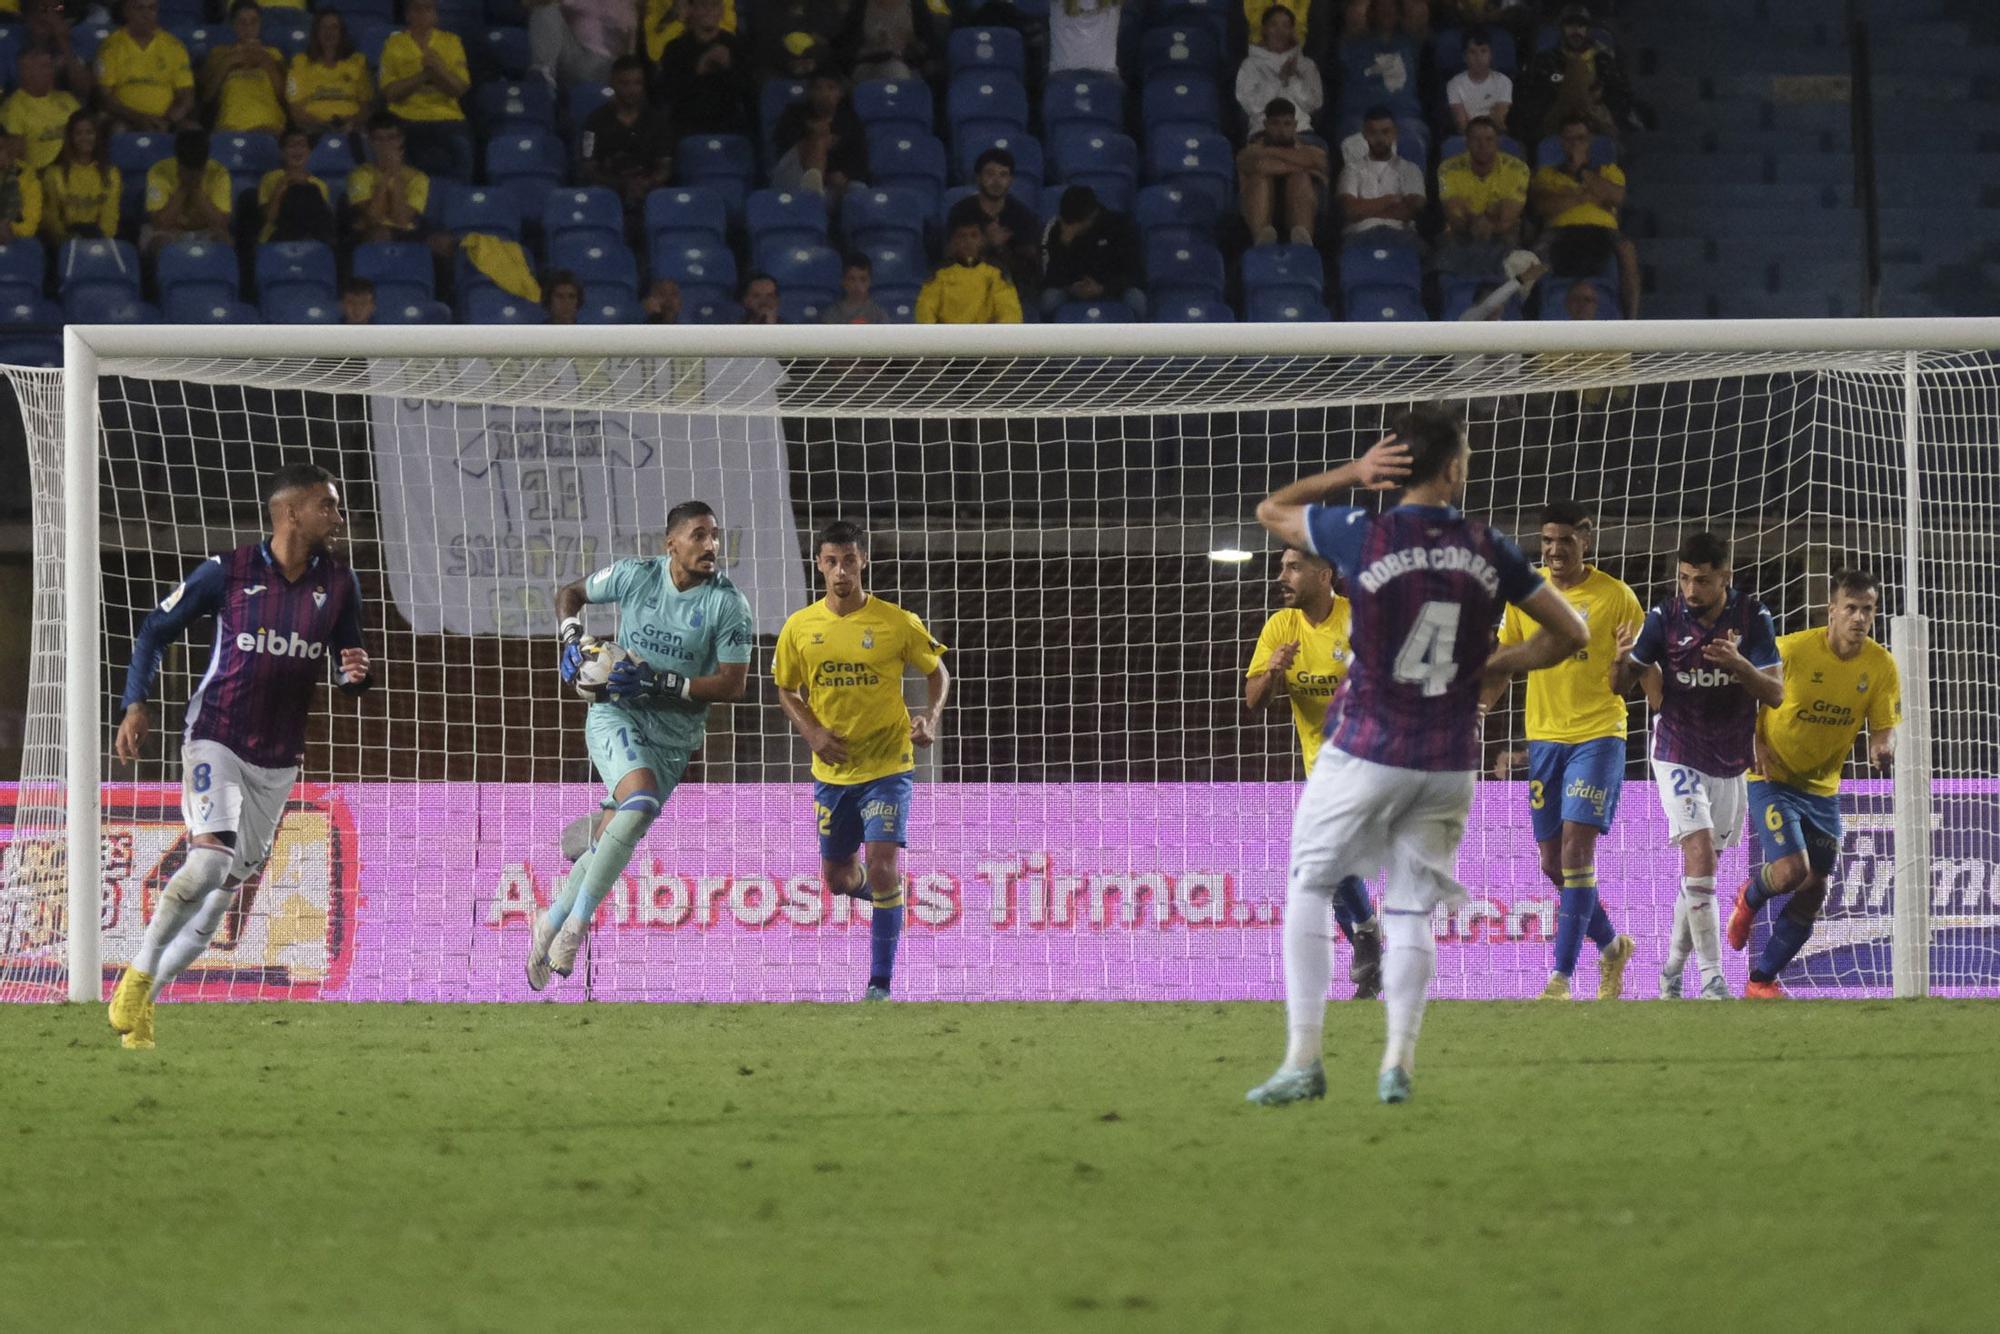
(86, 348)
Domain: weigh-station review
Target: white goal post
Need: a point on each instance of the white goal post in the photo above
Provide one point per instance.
(1861, 422)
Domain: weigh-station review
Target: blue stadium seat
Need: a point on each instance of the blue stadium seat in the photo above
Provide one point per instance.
(803, 306)
(987, 50)
(134, 154)
(599, 265)
(411, 311)
(1463, 294)
(479, 208)
(1095, 312)
(332, 158)
(589, 209)
(898, 303)
(1383, 305)
(1449, 51)
(400, 264)
(1176, 52)
(372, 9)
(1549, 151)
(530, 163)
(772, 100)
(907, 103)
(697, 263)
(610, 307)
(711, 309)
(1077, 148)
(369, 34)
(777, 218)
(246, 155)
(98, 303)
(1173, 206)
(1201, 311)
(1189, 97)
(102, 263)
(199, 38)
(973, 98)
(895, 265)
(690, 210)
(22, 310)
(804, 268)
(292, 268)
(299, 306)
(1085, 97)
(977, 137)
(490, 305)
(503, 50)
(1283, 266)
(23, 270)
(85, 38)
(584, 99)
(40, 350)
(1184, 272)
(1286, 305)
(723, 163)
(204, 270)
(505, 105)
(871, 216)
(898, 160)
(288, 32)
(1213, 15)
(1363, 264)
(1366, 70)
(198, 306)
(1203, 163)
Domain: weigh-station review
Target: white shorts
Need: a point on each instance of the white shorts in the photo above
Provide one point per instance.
(1695, 801)
(1358, 817)
(220, 793)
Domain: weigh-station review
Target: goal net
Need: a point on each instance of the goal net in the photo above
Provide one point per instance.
(1071, 512)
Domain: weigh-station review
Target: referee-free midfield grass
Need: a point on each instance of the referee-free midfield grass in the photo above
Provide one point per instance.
(1756, 1167)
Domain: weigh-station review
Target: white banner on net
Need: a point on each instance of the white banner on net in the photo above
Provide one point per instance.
(487, 510)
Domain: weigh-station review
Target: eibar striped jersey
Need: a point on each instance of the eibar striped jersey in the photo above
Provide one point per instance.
(274, 641)
(1427, 586)
(1707, 719)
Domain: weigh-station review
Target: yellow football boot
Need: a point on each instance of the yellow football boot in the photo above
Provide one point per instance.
(1557, 989)
(140, 1038)
(128, 998)
(1611, 968)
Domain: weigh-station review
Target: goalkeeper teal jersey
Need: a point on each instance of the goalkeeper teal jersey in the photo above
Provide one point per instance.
(689, 631)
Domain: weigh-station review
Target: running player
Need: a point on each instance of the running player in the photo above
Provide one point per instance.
(1837, 680)
(689, 631)
(1300, 658)
(839, 673)
(1395, 784)
(1704, 659)
(284, 609)
(1576, 745)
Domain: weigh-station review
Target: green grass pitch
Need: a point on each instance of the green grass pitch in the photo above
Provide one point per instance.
(1755, 1167)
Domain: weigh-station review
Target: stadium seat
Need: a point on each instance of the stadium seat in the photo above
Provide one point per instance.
(401, 263)
(1200, 311)
(411, 311)
(722, 163)
(1462, 295)
(1283, 266)
(303, 307)
(191, 306)
(1083, 97)
(1184, 272)
(332, 158)
(99, 303)
(1388, 265)
(610, 307)
(609, 267)
(1215, 16)
(245, 155)
(872, 216)
(134, 155)
(973, 98)
(1173, 206)
(530, 163)
(697, 263)
(1286, 305)
(1029, 170)
(987, 50)
(490, 305)
(506, 105)
(1203, 163)
(1379, 305)
(898, 303)
(500, 50)
(478, 208)
(1449, 51)
(292, 268)
(371, 9)
(103, 263)
(1079, 148)
(39, 350)
(584, 99)
(895, 265)
(689, 210)
(22, 310)
(804, 268)
(710, 310)
(803, 307)
(905, 103)
(590, 209)
(202, 272)
(85, 38)
(370, 34)
(286, 32)
(1185, 98)
(902, 161)
(772, 100)
(23, 271)
(199, 38)
(1177, 52)
(1095, 312)
(777, 218)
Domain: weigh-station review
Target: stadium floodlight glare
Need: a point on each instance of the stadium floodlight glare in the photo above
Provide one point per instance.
(1043, 496)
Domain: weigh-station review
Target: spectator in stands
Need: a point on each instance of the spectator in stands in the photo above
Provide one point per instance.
(1276, 174)
(1519, 272)
(20, 193)
(423, 75)
(1578, 204)
(328, 89)
(386, 197)
(665, 20)
(628, 143)
(1580, 301)
(1276, 67)
(1309, 18)
(562, 297)
(357, 301)
(822, 144)
(188, 196)
(1579, 76)
(1381, 195)
(573, 42)
(143, 73)
(1083, 35)
(1090, 253)
(662, 303)
(704, 75)
(47, 30)
(38, 111)
(1013, 233)
(1479, 89)
(794, 37)
(1484, 193)
(856, 305)
(967, 289)
(243, 82)
(80, 190)
(293, 203)
(1381, 48)
(895, 39)
(759, 299)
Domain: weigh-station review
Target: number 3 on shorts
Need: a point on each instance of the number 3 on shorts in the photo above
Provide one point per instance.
(1426, 656)
(201, 777)
(1535, 793)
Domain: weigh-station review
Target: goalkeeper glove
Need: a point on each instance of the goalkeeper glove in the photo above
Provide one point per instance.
(633, 679)
(572, 639)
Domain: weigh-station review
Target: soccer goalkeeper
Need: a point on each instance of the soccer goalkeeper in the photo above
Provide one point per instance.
(690, 630)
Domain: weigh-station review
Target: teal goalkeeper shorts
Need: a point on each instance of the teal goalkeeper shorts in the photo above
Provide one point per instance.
(622, 740)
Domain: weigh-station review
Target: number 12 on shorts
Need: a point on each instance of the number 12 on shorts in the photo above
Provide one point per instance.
(1426, 656)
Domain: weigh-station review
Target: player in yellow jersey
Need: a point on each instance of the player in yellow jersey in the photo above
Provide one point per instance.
(1576, 745)
(1300, 659)
(1837, 680)
(839, 673)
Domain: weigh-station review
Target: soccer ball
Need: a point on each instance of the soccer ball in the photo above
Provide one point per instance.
(600, 658)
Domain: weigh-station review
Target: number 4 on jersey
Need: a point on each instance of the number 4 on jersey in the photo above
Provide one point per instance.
(1426, 656)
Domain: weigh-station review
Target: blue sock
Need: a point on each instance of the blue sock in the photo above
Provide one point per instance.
(616, 843)
(1579, 904)
(1760, 892)
(885, 928)
(1350, 906)
(1600, 931)
(1787, 938)
(560, 905)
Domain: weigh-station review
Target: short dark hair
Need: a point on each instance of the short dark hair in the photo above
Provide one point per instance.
(1476, 35)
(966, 224)
(1377, 112)
(857, 259)
(1435, 436)
(1310, 557)
(1279, 106)
(1705, 548)
(1568, 121)
(191, 148)
(687, 511)
(1487, 121)
(751, 279)
(1079, 204)
(628, 61)
(358, 286)
(1568, 513)
(294, 475)
(563, 278)
(991, 155)
(291, 132)
(242, 5)
(840, 533)
(1854, 580)
(1286, 10)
